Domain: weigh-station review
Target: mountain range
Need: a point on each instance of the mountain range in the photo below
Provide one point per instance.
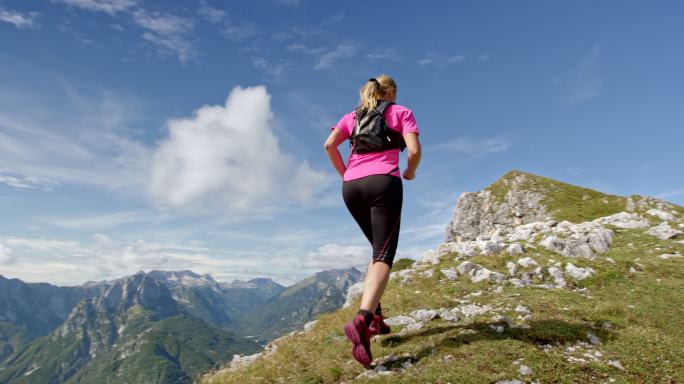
(154, 327)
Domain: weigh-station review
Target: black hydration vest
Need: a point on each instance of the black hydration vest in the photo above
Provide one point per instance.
(371, 133)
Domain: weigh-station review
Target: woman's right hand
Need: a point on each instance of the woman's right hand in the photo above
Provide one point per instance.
(408, 175)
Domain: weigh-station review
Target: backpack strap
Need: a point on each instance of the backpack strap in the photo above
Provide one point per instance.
(382, 105)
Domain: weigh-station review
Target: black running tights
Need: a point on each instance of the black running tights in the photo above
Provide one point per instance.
(375, 203)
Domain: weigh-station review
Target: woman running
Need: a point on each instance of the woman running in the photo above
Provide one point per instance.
(372, 191)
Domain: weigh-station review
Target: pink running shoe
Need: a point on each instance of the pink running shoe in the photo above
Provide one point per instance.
(357, 333)
(378, 326)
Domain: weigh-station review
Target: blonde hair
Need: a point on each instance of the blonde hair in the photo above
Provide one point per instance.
(373, 91)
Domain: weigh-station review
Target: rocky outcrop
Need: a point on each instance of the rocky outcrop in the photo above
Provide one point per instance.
(481, 214)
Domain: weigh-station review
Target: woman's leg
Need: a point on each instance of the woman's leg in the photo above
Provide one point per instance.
(374, 286)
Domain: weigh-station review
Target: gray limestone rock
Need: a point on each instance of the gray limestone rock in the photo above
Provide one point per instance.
(399, 320)
(663, 231)
(525, 370)
(624, 220)
(630, 206)
(353, 292)
(567, 247)
(515, 249)
(480, 214)
(577, 272)
(450, 274)
(662, 215)
(512, 268)
(479, 273)
(424, 315)
(527, 262)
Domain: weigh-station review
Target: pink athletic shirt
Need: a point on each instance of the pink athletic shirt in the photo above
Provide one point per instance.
(398, 118)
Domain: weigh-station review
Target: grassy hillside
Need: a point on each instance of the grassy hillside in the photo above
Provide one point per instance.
(621, 325)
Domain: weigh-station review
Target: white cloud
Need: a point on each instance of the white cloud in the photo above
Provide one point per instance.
(168, 33)
(163, 24)
(325, 58)
(5, 255)
(116, 258)
(40, 158)
(296, 47)
(19, 19)
(84, 142)
(270, 68)
(66, 262)
(42, 244)
(584, 82)
(20, 181)
(226, 158)
(213, 15)
(335, 256)
(328, 59)
(172, 45)
(385, 54)
(438, 60)
(110, 7)
(474, 148)
(103, 221)
(238, 31)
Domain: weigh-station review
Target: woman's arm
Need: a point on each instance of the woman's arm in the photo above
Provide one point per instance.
(334, 140)
(414, 153)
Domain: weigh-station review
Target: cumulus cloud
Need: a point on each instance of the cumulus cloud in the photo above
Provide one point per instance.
(227, 158)
(5, 255)
(18, 19)
(110, 7)
(335, 256)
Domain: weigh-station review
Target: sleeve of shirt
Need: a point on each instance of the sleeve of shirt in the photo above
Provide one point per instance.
(408, 123)
(346, 124)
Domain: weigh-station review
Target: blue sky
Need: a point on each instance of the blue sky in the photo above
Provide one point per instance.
(175, 135)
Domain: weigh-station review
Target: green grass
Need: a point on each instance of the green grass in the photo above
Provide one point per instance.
(644, 308)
